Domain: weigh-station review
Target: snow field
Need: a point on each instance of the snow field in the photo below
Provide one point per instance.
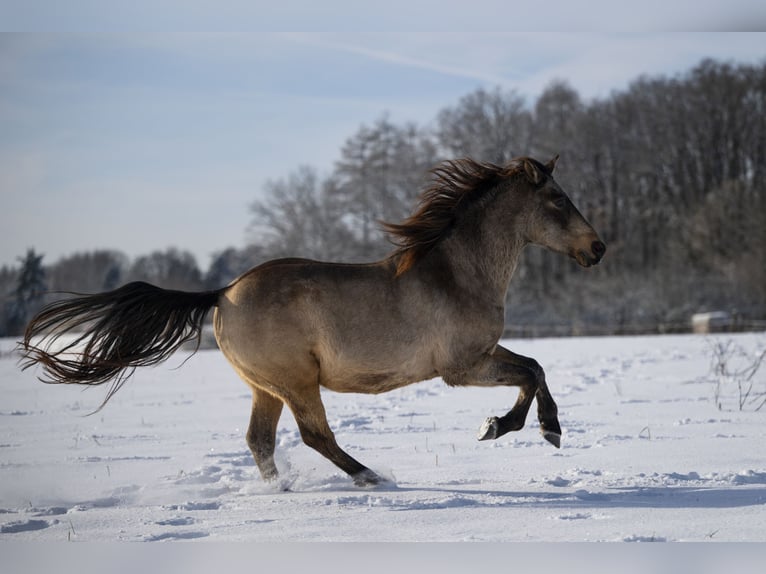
(646, 456)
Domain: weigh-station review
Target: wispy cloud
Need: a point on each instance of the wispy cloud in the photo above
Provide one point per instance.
(595, 64)
(398, 58)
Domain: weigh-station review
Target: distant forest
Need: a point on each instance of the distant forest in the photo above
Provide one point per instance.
(670, 171)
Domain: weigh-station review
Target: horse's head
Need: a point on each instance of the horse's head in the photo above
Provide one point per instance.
(553, 221)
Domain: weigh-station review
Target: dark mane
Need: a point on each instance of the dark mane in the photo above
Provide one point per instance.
(454, 186)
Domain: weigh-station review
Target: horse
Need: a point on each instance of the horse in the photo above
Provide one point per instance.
(434, 307)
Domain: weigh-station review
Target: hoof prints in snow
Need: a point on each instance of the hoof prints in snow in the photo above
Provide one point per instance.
(52, 511)
(25, 526)
(120, 458)
(189, 506)
(108, 502)
(645, 539)
(440, 503)
(558, 481)
(578, 516)
(181, 521)
(176, 536)
(233, 458)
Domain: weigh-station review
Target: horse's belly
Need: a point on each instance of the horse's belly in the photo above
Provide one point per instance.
(370, 382)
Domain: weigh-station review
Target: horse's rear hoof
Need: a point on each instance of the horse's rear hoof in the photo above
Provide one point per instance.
(552, 437)
(490, 429)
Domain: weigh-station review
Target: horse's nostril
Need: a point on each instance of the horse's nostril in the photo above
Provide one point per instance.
(598, 249)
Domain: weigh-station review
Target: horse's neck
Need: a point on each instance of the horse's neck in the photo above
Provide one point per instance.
(481, 263)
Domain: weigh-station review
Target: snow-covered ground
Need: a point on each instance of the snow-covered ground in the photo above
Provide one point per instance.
(647, 455)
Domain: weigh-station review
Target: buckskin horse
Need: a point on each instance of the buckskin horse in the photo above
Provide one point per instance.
(434, 307)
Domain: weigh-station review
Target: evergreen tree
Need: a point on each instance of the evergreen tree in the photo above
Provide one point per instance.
(29, 292)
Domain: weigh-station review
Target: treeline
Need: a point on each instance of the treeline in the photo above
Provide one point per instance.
(670, 171)
(31, 284)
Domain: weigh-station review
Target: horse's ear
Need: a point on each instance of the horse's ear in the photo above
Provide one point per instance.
(533, 172)
(552, 164)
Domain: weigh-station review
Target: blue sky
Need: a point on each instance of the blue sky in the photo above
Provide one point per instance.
(142, 141)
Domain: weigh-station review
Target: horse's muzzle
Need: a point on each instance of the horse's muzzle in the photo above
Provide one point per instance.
(587, 259)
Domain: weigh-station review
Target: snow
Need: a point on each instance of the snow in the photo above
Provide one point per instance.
(647, 456)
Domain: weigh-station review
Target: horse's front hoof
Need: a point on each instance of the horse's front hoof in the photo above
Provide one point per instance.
(552, 437)
(490, 430)
(367, 478)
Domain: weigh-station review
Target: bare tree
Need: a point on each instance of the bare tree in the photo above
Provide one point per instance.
(88, 272)
(170, 269)
(378, 178)
(300, 217)
(487, 126)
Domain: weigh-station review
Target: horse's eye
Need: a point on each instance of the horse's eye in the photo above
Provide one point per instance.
(559, 201)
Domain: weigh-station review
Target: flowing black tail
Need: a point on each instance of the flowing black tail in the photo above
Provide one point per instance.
(115, 332)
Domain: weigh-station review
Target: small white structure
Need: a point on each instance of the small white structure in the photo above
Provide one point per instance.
(712, 322)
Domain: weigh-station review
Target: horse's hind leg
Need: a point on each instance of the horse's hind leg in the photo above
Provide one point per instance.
(310, 415)
(262, 432)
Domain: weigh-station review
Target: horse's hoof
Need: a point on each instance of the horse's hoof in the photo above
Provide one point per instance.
(367, 478)
(280, 483)
(552, 437)
(490, 429)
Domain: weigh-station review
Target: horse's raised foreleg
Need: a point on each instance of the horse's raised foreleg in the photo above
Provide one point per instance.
(505, 368)
(547, 411)
(310, 415)
(262, 432)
